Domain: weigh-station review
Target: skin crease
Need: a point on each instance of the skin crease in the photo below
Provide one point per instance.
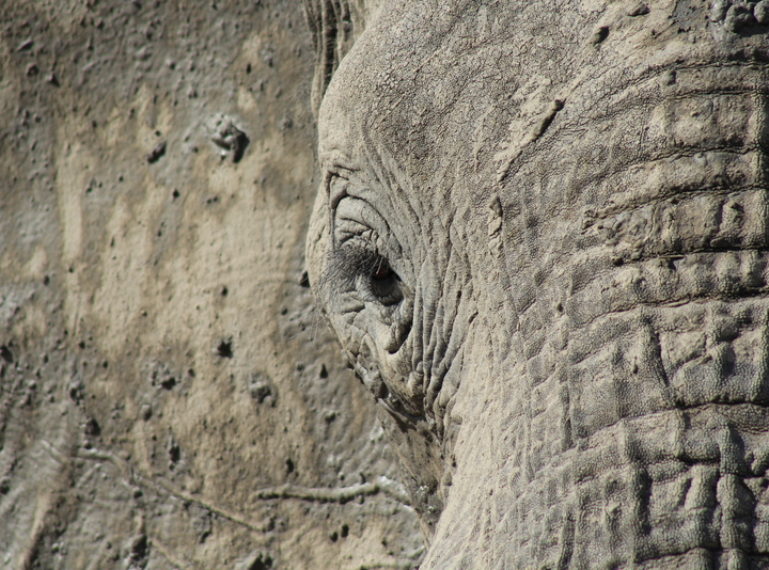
(571, 198)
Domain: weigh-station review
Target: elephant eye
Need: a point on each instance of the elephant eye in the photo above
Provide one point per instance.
(383, 282)
(368, 272)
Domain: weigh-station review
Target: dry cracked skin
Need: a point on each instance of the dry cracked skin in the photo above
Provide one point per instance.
(540, 236)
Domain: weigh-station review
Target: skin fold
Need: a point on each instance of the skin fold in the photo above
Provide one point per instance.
(541, 238)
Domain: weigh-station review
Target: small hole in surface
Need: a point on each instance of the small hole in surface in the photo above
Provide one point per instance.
(225, 349)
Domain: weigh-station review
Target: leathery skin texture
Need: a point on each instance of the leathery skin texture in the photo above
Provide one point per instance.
(542, 238)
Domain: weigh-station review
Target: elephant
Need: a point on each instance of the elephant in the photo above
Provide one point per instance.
(541, 236)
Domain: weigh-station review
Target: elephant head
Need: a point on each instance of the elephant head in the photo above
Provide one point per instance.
(541, 237)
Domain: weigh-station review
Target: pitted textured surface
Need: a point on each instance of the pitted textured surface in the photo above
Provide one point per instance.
(169, 398)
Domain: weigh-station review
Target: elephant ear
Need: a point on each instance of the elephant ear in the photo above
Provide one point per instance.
(335, 24)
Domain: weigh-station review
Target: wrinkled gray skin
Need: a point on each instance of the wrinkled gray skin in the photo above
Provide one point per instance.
(541, 237)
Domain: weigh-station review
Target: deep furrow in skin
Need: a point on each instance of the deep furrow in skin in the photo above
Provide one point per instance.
(657, 254)
(660, 191)
(643, 469)
(671, 82)
(708, 353)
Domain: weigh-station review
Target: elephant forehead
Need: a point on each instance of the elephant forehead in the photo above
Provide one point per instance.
(431, 79)
(441, 86)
